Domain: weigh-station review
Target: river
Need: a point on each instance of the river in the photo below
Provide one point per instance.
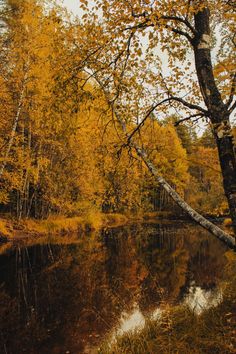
(67, 296)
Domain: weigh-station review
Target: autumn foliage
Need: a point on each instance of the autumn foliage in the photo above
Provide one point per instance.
(62, 148)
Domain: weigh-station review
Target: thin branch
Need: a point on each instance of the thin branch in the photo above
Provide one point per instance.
(181, 20)
(189, 105)
(143, 24)
(181, 33)
(199, 115)
(146, 117)
(232, 91)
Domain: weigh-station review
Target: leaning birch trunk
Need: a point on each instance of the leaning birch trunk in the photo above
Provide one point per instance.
(13, 131)
(199, 219)
(215, 230)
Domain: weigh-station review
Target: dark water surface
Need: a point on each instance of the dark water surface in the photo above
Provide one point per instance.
(64, 298)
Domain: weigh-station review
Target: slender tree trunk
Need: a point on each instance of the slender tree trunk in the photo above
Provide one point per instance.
(215, 230)
(218, 111)
(14, 127)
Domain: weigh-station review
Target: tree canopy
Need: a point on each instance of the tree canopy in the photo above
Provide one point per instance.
(65, 83)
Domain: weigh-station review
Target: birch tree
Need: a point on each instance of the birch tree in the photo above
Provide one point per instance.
(131, 41)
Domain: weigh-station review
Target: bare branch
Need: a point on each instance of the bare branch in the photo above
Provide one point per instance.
(189, 105)
(197, 115)
(181, 33)
(232, 91)
(181, 20)
(146, 117)
(143, 24)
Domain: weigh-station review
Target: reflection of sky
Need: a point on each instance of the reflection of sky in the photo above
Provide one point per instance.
(133, 320)
(197, 299)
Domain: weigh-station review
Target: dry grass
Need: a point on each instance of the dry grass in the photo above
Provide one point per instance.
(59, 225)
(181, 330)
(54, 225)
(157, 215)
(4, 228)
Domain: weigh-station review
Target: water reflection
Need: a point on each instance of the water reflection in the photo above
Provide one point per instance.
(130, 320)
(65, 298)
(133, 320)
(199, 299)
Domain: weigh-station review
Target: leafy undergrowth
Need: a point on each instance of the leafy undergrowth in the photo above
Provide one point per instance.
(4, 228)
(181, 330)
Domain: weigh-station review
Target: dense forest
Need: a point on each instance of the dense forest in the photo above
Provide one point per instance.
(62, 148)
(117, 132)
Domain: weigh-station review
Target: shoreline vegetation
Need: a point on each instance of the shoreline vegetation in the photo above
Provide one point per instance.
(182, 330)
(58, 225)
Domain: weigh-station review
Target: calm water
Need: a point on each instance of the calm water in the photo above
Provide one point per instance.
(64, 298)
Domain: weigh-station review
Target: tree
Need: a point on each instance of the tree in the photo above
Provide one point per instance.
(59, 148)
(183, 31)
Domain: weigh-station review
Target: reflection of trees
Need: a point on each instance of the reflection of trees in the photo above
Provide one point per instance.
(207, 262)
(163, 252)
(8, 319)
(173, 258)
(125, 271)
(60, 297)
(57, 301)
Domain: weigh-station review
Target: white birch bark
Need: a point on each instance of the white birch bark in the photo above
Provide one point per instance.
(14, 127)
(215, 230)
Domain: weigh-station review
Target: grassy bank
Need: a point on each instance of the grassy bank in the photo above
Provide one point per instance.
(181, 330)
(11, 229)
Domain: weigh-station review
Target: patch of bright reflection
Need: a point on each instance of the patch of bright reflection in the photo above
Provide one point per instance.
(133, 321)
(199, 299)
(130, 321)
(156, 315)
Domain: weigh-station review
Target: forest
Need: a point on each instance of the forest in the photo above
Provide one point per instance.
(63, 151)
(120, 116)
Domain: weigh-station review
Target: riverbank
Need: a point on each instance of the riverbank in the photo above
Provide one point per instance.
(12, 229)
(57, 225)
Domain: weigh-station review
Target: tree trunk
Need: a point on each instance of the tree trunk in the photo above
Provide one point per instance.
(215, 230)
(14, 127)
(218, 111)
(228, 167)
